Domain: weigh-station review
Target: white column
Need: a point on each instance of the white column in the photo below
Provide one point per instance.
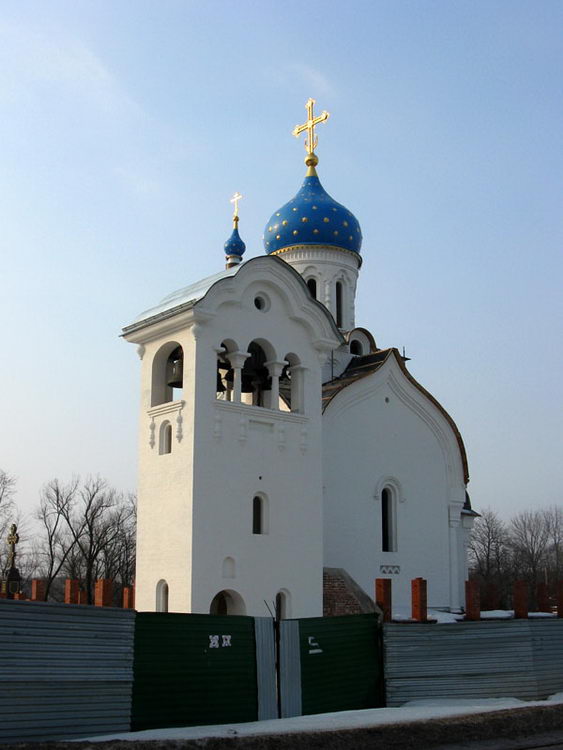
(237, 360)
(275, 370)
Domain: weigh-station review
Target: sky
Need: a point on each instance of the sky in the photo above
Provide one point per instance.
(125, 128)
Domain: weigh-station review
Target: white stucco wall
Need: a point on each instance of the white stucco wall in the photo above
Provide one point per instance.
(383, 431)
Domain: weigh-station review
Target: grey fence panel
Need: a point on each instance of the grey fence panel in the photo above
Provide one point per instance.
(67, 670)
(266, 668)
(547, 640)
(290, 669)
(495, 659)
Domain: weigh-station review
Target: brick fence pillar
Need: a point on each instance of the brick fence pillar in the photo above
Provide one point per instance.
(103, 593)
(129, 597)
(383, 597)
(419, 599)
(520, 600)
(82, 597)
(472, 601)
(37, 590)
(542, 597)
(71, 591)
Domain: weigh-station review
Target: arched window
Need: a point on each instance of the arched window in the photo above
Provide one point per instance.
(339, 303)
(167, 374)
(165, 438)
(388, 536)
(259, 515)
(162, 596)
(312, 284)
(228, 568)
(356, 348)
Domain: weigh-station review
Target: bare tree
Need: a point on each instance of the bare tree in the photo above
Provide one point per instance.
(490, 555)
(89, 533)
(56, 544)
(529, 537)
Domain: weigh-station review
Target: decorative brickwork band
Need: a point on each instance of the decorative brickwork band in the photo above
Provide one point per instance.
(37, 590)
(71, 591)
(542, 598)
(559, 598)
(383, 597)
(419, 599)
(129, 597)
(472, 601)
(103, 593)
(520, 600)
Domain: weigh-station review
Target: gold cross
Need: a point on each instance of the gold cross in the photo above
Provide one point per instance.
(311, 140)
(235, 199)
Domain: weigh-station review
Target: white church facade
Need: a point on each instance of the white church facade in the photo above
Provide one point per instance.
(277, 441)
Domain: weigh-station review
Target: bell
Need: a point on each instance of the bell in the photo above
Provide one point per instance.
(175, 369)
(220, 387)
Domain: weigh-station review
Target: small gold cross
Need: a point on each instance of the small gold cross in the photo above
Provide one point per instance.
(312, 140)
(235, 199)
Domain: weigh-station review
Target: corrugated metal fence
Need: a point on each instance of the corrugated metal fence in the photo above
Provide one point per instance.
(330, 664)
(67, 670)
(488, 659)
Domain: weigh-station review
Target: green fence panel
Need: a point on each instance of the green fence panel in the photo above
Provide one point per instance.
(341, 663)
(193, 669)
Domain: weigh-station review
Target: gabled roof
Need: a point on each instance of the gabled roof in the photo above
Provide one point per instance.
(361, 367)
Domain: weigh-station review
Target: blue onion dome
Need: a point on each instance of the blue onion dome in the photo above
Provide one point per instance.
(312, 218)
(234, 245)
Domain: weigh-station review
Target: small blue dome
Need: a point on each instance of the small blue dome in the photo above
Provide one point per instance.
(234, 245)
(312, 218)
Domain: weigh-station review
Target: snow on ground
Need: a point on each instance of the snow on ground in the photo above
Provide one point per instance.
(420, 710)
(403, 614)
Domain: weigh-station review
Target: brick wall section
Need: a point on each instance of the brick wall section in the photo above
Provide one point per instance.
(342, 595)
(103, 592)
(37, 590)
(520, 600)
(472, 601)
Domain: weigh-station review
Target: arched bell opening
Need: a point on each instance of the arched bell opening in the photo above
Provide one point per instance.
(224, 371)
(256, 380)
(167, 374)
(291, 384)
(227, 602)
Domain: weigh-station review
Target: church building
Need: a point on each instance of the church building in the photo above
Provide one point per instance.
(285, 461)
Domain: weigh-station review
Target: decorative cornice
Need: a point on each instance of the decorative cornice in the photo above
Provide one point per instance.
(311, 248)
(170, 407)
(261, 413)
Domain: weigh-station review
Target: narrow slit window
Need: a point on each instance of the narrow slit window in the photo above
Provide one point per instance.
(339, 304)
(386, 521)
(312, 284)
(257, 516)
